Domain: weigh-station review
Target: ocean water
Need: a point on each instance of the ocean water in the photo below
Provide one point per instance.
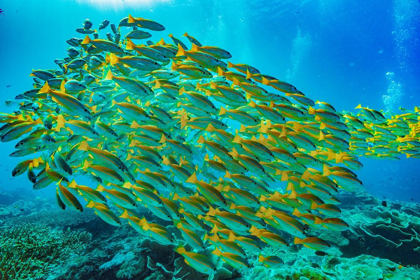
(344, 52)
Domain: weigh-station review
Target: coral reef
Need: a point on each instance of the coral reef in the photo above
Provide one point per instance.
(380, 239)
(16, 208)
(391, 232)
(36, 251)
(56, 218)
(336, 268)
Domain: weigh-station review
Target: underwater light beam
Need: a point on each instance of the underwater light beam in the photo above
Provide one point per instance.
(118, 4)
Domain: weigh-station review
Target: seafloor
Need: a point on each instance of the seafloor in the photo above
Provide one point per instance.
(40, 241)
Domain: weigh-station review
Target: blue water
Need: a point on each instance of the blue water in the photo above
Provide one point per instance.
(342, 52)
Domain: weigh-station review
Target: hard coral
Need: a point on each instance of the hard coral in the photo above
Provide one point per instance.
(32, 251)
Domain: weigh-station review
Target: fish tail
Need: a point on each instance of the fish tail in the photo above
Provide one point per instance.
(181, 51)
(65, 68)
(192, 179)
(91, 204)
(86, 164)
(45, 89)
(195, 48)
(217, 252)
(125, 215)
(131, 19)
(180, 250)
(298, 240)
(84, 146)
(113, 59)
(326, 170)
(265, 81)
(321, 136)
(109, 75)
(248, 74)
(130, 45)
(86, 40)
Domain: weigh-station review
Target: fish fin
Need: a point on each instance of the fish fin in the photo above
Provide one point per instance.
(234, 153)
(113, 59)
(326, 171)
(212, 212)
(195, 48)
(236, 82)
(45, 89)
(162, 42)
(222, 111)
(261, 258)
(131, 19)
(163, 139)
(283, 132)
(84, 146)
(91, 204)
(210, 128)
(359, 106)
(125, 215)
(174, 67)
(284, 176)
(158, 84)
(321, 136)
(198, 86)
(318, 221)
(220, 71)
(265, 81)
(298, 240)
(62, 86)
(86, 40)
(311, 110)
(230, 65)
(248, 74)
(181, 51)
(217, 252)
(252, 104)
(192, 179)
(184, 120)
(109, 75)
(130, 45)
(237, 139)
(255, 231)
(85, 164)
(293, 194)
(201, 139)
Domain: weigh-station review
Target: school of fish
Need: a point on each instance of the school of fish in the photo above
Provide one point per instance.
(236, 160)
